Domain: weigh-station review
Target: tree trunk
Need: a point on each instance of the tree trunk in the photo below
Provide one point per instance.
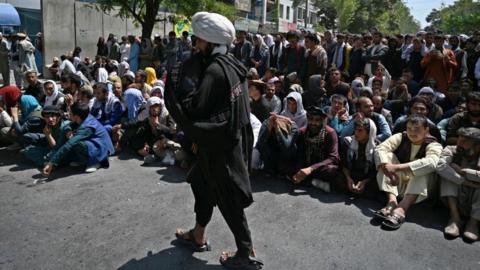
(151, 12)
(147, 28)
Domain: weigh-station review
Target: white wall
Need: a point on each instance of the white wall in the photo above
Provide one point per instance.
(67, 24)
(59, 28)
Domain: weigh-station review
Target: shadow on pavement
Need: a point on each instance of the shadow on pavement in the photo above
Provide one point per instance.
(283, 186)
(170, 174)
(177, 257)
(9, 158)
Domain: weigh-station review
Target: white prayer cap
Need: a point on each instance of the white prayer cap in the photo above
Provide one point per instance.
(213, 28)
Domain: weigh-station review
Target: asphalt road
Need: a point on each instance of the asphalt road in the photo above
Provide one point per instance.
(124, 218)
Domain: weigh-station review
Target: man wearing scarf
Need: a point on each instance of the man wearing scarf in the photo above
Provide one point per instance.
(358, 164)
(214, 115)
(107, 108)
(318, 151)
(276, 52)
(260, 55)
(459, 169)
(293, 109)
(53, 97)
(152, 134)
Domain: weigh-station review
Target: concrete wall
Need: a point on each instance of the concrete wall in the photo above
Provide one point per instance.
(68, 23)
(88, 28)
(59, 28)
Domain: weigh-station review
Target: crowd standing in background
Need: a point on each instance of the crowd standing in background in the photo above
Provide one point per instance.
(391, 118)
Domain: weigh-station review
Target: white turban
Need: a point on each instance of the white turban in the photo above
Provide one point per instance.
(213, 28)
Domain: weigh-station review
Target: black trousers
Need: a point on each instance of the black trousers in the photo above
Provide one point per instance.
(228, 200)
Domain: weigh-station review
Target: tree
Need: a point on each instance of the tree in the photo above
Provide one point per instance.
(189, 7)
(357, 16)
(345, 12)
(463, 16)
(145, 12)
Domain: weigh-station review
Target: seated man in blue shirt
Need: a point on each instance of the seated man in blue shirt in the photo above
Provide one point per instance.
(90, 143)
(107, 108)
(366, 110)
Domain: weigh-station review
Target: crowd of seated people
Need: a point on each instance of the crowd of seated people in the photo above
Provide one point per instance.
(395, 119)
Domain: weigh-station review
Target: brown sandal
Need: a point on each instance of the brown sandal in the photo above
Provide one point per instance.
(394, 221)
(385, 211)
(187, 238)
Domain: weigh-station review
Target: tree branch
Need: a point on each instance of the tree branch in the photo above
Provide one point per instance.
(132, 11)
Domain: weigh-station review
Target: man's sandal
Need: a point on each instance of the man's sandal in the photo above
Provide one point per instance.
(394, 221)
(230, 260)
(187, 238)
(384, 212)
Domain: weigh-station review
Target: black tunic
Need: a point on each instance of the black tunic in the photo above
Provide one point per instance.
(211, 106)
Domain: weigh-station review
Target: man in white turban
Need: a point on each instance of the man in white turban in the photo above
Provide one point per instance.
(210, 104)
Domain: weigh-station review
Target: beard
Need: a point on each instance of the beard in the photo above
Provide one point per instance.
(314, 130)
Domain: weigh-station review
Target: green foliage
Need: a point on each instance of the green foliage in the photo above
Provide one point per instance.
(461, 17)
(357, 16)
(189, 7)
(345, 12)
(145, 12)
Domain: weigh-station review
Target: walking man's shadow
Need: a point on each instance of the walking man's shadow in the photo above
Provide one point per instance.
(177, 257)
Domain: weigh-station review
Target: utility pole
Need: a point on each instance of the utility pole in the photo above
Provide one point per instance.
(264, 12)
(306, 13)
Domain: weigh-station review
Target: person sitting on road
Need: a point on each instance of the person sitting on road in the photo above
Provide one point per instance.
(338, 114)
(57, 131)
(29, 128)
(53, 97)
(141, 80)
(469, 118)
(365, 109)
(378, 107)
(5, 124)
(107, 108)
(259, 104)
(459, 170)
(152, 136)
(276, 144)
(406, 163)
(317, 151)
(34, 87)
(293, 109)
(90, 144)
(358, 164)
(418, 106)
